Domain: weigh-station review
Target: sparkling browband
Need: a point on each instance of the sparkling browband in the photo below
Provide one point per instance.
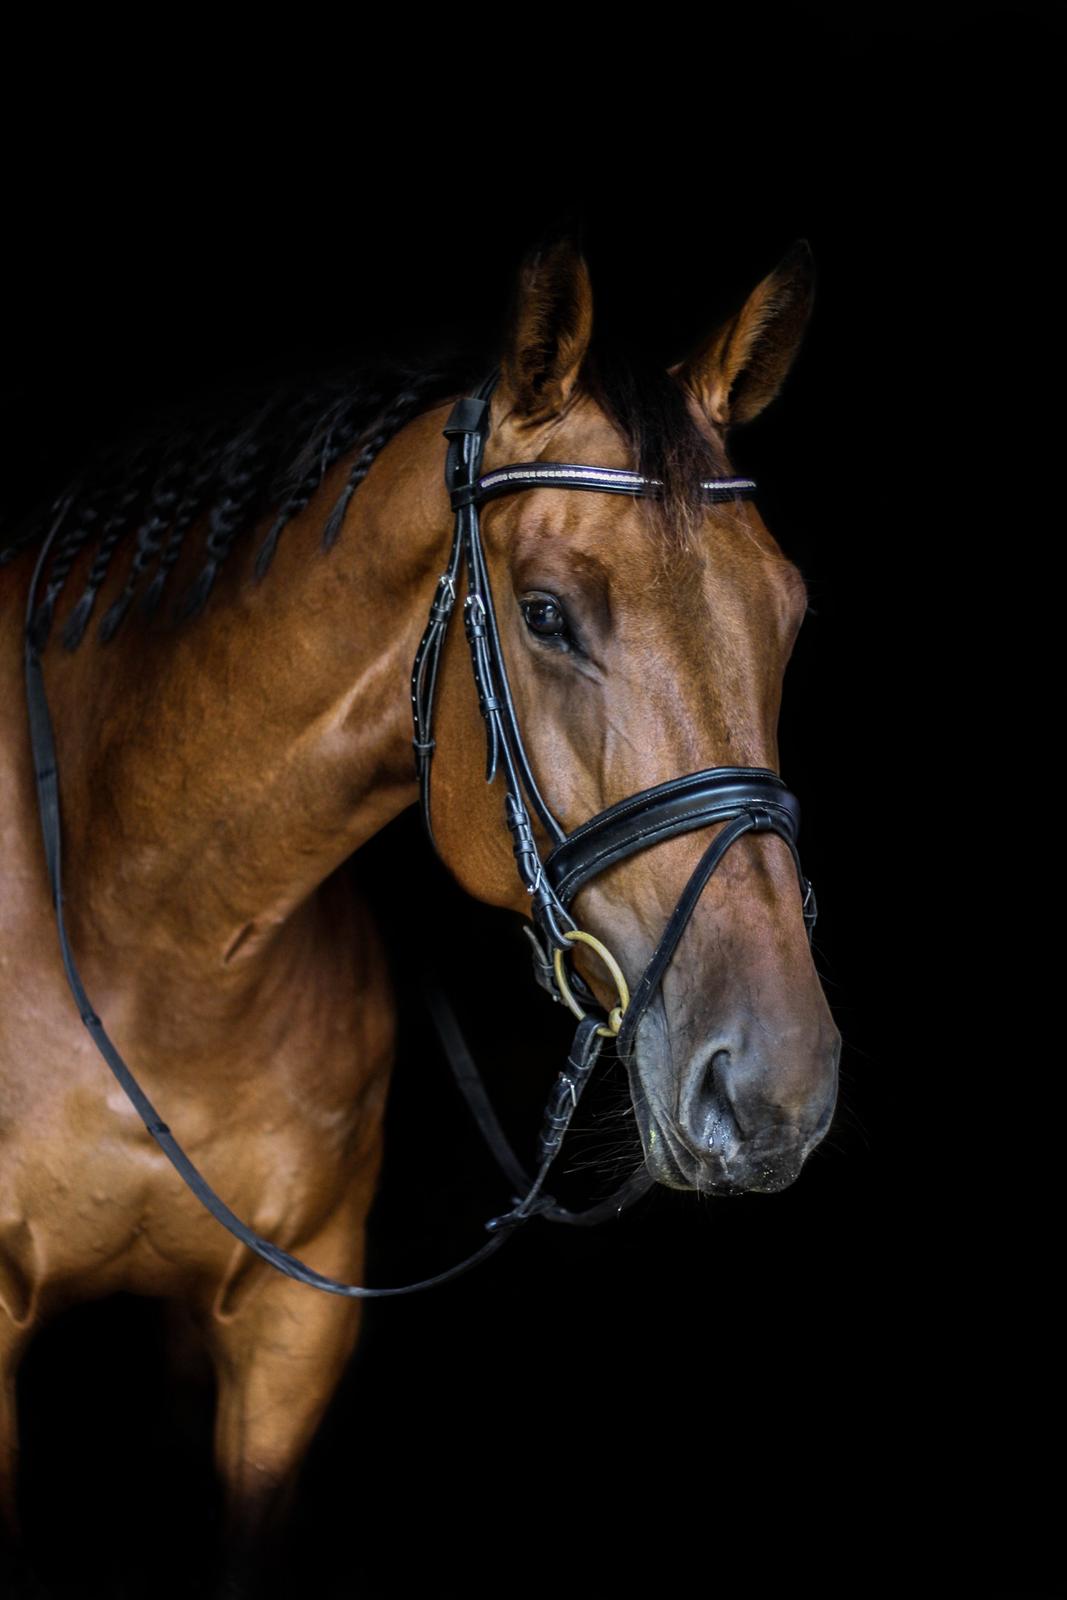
(573, 475)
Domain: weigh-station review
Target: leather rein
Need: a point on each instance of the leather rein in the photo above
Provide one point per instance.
(747, 799)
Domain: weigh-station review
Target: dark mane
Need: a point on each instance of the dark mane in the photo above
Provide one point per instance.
(256, 450)
(250, 451)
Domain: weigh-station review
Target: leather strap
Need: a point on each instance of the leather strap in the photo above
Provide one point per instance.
(465, 430)
(472, 1088)
(573, 475)
(713, 795)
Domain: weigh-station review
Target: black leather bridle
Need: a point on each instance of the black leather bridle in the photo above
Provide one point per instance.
(746, 799)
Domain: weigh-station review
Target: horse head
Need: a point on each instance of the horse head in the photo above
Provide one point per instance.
(644, 639)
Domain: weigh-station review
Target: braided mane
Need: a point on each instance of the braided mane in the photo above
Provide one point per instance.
(257, 450)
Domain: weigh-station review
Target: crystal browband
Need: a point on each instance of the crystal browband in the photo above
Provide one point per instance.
(573, 475)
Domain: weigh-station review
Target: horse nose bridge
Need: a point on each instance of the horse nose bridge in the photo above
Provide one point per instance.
(751, 1031)
(756, 861)
(747, 913)
(759, 859)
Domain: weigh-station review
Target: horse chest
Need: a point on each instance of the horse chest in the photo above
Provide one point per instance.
(88, 1203)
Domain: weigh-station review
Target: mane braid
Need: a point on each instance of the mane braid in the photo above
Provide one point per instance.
(115, 526)
(229, 468)
(327, 441)
(390, 422)
(334, 434)
(157, 517)
(189, 507)
(261, 452)
(240, 470)
(86, 517)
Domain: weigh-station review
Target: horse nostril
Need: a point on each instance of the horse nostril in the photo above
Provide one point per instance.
(710, 1116)
(714, 1086)
(725, 1086)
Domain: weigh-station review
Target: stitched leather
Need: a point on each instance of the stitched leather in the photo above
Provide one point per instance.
(694, 801)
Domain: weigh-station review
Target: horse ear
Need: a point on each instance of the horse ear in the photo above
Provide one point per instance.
(549, 328)
(742, 366)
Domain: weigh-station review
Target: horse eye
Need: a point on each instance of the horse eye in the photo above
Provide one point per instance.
(544, 616)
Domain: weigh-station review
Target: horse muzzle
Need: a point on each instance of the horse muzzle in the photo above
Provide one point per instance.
(726, 1126)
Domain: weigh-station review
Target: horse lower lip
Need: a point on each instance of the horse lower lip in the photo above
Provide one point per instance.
(743, 1173)
(765, 1174)
(721, 1184)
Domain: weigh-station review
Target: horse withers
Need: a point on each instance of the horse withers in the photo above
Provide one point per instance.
(221, 763)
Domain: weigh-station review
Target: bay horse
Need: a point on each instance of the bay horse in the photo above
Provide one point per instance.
(223, 761)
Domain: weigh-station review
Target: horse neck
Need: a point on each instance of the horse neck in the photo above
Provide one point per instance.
(233, 765)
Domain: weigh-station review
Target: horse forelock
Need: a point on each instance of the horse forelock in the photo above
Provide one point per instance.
(648, 408)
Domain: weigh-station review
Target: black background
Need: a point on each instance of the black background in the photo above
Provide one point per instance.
(848, 1383)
